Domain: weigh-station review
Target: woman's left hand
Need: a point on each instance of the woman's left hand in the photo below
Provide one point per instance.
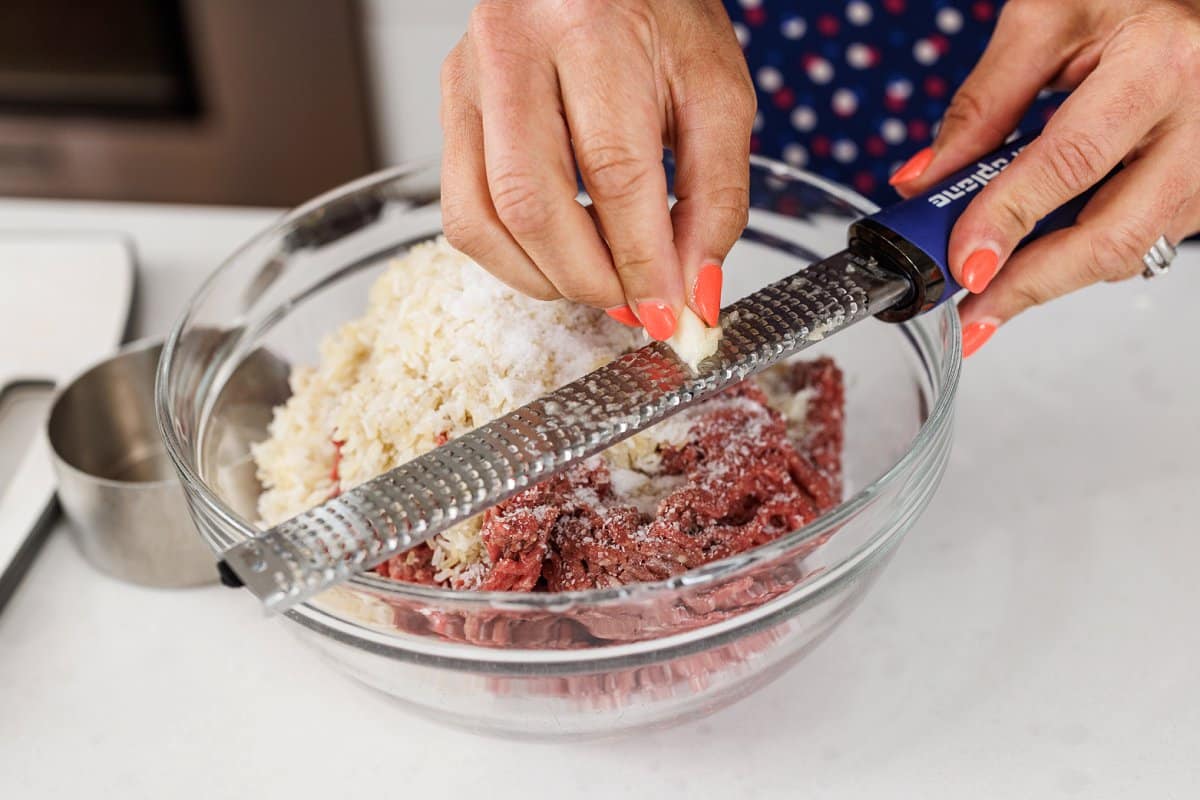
(1134, 68)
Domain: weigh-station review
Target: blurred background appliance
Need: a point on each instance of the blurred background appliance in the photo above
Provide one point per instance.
(208, 101)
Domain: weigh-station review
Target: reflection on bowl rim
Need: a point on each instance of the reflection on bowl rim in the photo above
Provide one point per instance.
(931, 426)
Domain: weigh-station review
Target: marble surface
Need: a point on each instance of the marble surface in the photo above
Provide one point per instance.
(1035, 636)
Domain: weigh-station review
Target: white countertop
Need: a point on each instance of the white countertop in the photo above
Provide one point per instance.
(1035, 636)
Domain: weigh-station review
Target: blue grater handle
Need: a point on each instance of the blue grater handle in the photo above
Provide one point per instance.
(913, 235)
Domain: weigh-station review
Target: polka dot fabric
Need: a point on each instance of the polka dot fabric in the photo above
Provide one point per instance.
(851, 88)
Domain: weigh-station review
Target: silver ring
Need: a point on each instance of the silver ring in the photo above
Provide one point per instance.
(1158, 260)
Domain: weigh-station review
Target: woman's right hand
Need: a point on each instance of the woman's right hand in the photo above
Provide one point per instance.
(538, 87)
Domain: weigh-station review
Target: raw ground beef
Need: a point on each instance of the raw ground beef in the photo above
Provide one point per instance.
(739, 481)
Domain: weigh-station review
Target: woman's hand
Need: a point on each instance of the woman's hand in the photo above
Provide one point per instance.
(1134, 66)
(537, 87)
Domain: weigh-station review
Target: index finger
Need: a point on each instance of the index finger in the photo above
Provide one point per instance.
(1024, 54)
(1097, 127)
(615, 117)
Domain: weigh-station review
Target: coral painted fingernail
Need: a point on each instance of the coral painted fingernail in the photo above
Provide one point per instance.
(975, 336)
(624, 315)
(912, 168)
(979, 269)
(707, 293)
(658, 318)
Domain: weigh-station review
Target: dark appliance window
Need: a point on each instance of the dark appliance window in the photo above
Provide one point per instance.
(99, 58)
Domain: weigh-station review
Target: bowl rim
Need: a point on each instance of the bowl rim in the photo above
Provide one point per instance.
(938, 419)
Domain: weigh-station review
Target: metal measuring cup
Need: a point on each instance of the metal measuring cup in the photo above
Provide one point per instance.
(116, 483)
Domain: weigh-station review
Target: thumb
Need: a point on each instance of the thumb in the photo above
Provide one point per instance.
(1024, 55)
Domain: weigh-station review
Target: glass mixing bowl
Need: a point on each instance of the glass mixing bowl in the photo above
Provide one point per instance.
(558, 664)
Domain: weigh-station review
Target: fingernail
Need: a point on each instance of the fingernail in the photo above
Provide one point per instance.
(624, 315)
(658, 318)
(706, 293)
(912, 168)
(975, 336)
(979, 269)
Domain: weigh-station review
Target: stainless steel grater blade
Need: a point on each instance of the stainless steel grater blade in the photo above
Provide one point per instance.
(410, 504)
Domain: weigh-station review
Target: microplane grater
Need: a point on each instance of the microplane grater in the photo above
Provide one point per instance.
(417, 500)
(897, 266)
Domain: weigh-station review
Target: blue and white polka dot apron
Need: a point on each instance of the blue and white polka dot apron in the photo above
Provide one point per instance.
(851, 88)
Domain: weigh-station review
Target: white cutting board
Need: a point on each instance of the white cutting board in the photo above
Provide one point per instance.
(64, 304)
